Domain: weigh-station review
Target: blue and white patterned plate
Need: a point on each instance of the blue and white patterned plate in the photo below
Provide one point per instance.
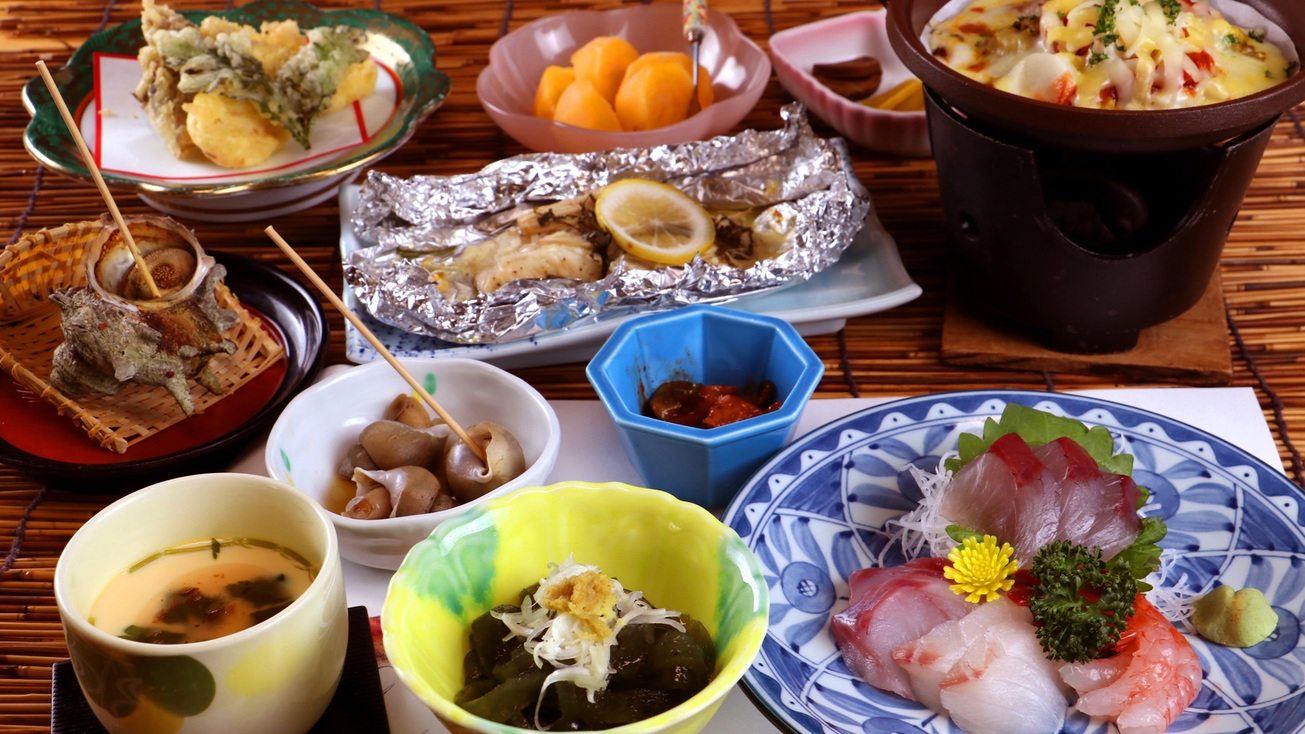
(815, 513)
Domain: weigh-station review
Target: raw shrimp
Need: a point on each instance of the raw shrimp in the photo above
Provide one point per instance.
(1144, 687)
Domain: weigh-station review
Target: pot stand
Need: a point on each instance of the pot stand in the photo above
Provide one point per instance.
(1083, 249)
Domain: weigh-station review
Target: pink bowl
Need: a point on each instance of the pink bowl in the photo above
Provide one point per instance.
(739, 72)
(796, 50)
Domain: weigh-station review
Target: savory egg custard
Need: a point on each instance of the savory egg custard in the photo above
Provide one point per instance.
(1110, 54)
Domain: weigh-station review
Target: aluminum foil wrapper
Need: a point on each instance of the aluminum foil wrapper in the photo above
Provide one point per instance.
(810, 177)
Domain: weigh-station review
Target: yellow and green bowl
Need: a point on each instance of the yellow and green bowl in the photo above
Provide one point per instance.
(678, 554)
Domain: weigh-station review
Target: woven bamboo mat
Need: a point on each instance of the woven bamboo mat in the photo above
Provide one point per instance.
(893, 353)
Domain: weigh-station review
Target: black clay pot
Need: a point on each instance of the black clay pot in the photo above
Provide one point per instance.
(1086, 226)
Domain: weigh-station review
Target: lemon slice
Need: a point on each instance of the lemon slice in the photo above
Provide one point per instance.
(654, 221)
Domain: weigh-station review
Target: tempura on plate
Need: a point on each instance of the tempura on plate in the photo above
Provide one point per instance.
(235, 93)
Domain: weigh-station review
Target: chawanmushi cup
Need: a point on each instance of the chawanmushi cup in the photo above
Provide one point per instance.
(276, 677)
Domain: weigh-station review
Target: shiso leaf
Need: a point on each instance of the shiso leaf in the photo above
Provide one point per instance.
(959, 534)
(1038, 428)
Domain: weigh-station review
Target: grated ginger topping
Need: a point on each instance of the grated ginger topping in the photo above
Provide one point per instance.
(572, 621)
(589, 596)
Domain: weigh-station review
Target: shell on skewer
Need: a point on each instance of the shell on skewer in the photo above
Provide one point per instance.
(116, 333)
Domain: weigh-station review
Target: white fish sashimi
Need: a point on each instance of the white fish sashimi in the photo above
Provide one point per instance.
(987, 671)
(1098, 509)
(890, 607)
(1003, 684)
(1008, 493)
(928, 659)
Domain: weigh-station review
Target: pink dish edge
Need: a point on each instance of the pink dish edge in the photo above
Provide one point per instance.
(887, 131)
(556, 137)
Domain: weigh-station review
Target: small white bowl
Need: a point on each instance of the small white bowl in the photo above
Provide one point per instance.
(795, 51)
(312, 434)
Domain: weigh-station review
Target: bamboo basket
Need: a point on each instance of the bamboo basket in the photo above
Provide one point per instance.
(39, 264)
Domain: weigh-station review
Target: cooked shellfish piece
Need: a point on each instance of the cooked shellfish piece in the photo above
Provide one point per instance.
(410, 490)
(356, 458)
(392, 444)
(115, 332)
(468, 477)
(371, 504)
(409, 411)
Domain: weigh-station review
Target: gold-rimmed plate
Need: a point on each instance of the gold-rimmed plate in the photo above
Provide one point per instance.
(97, 82)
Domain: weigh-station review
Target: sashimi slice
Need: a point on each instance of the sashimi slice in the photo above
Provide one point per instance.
(1029, 497)
(1003, 684)
(928, 659)
(1144, 687)
(1098, 509)
(1008, 493)
(889, 607)
(981, 495)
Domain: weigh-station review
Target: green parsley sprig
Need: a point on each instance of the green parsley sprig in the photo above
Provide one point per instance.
(1103, 32)
(1080, 603)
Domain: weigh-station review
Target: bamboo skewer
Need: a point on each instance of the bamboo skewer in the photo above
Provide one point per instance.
(89, 160)
(271, 232)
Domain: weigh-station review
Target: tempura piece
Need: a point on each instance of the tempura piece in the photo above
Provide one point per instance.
(232, 133)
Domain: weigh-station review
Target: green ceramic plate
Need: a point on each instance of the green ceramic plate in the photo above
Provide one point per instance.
(395, 43)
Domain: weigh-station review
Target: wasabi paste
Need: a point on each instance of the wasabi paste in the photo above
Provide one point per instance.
(1236, 619)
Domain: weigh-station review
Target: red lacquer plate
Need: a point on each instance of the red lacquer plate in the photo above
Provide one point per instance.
(38, 441)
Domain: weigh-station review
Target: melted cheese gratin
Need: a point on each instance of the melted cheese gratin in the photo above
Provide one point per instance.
(1109, 54)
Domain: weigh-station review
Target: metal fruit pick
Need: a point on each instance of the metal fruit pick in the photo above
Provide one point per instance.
(289, 251)
(695, 27)
(89, 160)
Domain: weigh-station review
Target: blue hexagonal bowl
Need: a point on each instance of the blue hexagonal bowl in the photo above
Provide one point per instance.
(711, 345)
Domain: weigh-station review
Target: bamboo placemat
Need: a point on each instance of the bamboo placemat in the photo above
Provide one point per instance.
(887, 354)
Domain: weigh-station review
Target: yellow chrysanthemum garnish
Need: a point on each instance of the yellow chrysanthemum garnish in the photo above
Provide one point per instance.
(981, 569)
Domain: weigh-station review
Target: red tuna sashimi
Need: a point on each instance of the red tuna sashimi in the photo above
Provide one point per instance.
(1098, 509)
(889, 607)
(1006, 492)
(1143, 688)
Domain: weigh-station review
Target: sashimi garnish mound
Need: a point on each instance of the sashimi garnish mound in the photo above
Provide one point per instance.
(1025, 588)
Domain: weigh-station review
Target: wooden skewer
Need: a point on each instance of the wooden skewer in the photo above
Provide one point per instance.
(89, 160)
(376, 343)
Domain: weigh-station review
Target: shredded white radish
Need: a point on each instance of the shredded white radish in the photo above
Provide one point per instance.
(1172, 597)
(567, 642)
(925, 525)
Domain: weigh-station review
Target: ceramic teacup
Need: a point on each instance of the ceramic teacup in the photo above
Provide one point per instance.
(276, 677)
